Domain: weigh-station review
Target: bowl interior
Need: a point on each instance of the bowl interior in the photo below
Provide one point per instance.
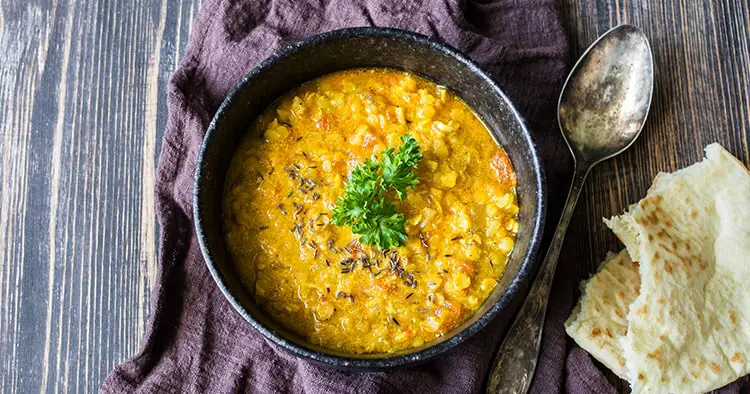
(357, 48)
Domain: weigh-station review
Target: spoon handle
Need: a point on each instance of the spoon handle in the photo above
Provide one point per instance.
(514, 366)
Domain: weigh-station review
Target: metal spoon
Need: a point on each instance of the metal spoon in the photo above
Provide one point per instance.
(602, 109)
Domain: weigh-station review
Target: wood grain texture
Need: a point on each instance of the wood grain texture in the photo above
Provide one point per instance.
(702, 67)
(83, 105)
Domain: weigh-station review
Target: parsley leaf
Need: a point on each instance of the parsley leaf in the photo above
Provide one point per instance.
(397, 167)
(361, 188)
(384, 228)
(364, 208)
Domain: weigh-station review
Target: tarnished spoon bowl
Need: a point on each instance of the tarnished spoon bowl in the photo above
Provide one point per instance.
(602, 109)
(605, 101)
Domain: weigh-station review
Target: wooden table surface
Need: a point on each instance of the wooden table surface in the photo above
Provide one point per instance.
(83, 107)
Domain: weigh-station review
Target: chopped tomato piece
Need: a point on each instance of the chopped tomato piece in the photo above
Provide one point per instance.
(504, 170)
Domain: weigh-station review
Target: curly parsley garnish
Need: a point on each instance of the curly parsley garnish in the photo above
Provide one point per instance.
(364, 207)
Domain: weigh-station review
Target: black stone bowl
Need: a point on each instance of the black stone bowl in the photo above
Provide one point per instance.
(356, 48)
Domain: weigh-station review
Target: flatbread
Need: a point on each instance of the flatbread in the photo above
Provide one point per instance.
(689, 328)
(599, 322)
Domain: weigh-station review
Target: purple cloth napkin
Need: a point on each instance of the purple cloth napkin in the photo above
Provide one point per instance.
(195, 341)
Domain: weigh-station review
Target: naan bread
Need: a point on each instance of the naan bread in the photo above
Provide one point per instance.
(689, 328)
(599, 322)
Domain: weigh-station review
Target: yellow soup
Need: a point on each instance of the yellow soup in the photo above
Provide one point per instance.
(315, 277)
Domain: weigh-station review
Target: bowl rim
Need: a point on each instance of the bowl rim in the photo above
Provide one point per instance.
(528, 263)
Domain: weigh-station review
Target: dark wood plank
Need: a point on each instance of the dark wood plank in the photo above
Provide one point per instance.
(82, 106)
(702, 70)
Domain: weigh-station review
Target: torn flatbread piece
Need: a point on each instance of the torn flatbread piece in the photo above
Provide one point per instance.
(599, 322)
(689, 327)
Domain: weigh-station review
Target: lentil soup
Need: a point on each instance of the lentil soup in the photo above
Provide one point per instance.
(314, 277)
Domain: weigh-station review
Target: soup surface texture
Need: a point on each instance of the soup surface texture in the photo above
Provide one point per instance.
(314, 277)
